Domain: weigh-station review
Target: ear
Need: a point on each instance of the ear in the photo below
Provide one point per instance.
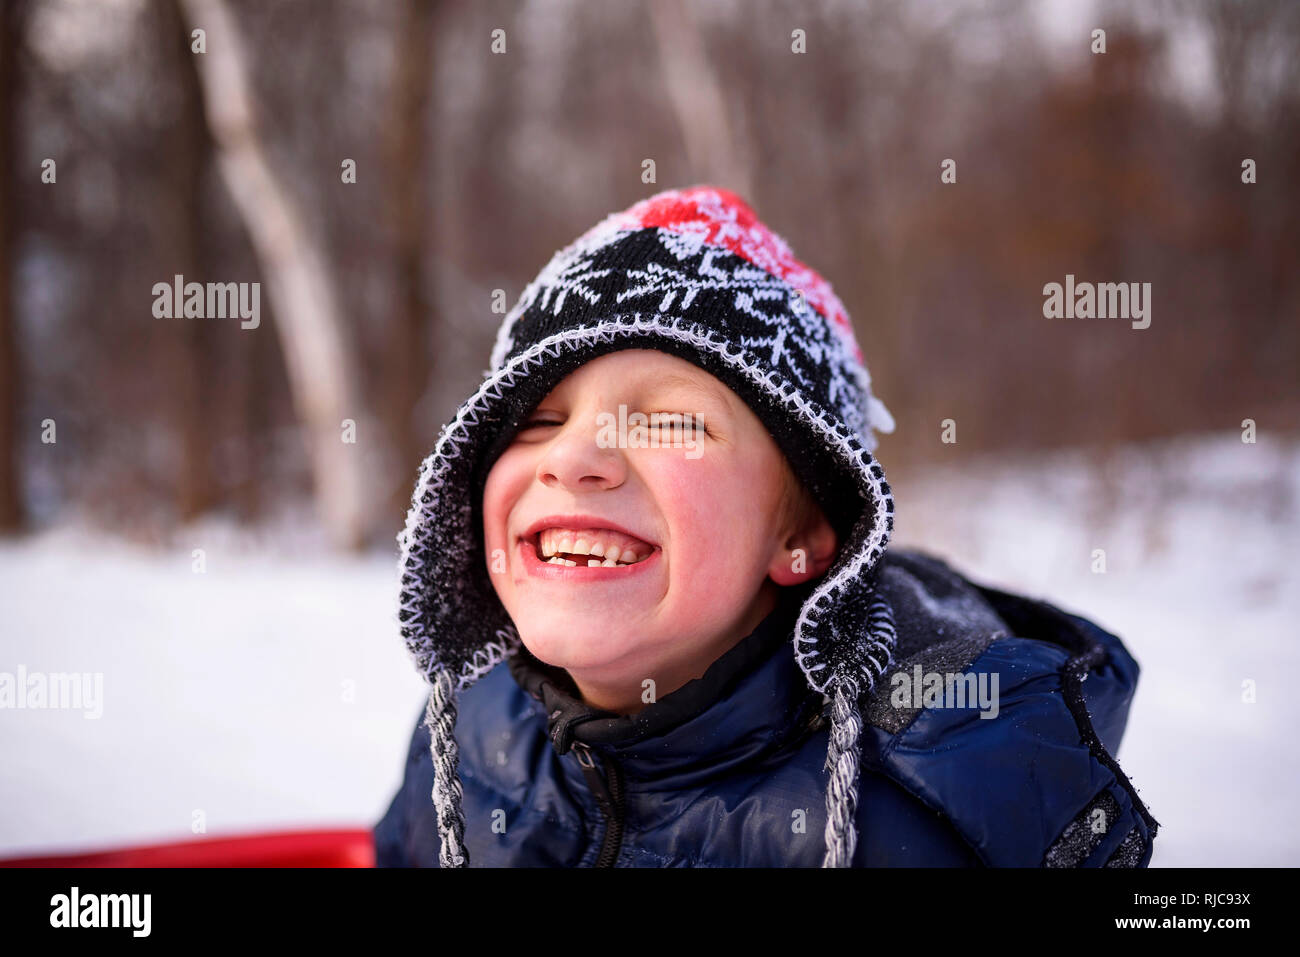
(807, 552)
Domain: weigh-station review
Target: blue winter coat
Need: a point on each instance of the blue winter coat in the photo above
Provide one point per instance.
(728, 770)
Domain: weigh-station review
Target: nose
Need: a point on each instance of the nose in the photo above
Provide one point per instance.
(573, 459)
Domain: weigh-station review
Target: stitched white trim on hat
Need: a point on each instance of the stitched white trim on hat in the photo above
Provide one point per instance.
(851, 449)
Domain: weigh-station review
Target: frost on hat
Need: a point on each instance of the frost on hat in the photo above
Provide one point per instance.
(693, 273)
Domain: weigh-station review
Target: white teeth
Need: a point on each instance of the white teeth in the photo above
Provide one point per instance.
(553, 543)
(591, 562)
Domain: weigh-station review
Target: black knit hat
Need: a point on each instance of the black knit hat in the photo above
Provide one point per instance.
(695, 274)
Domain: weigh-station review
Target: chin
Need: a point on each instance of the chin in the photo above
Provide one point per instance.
(570, 649)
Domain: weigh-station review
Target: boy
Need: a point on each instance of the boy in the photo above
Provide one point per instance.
(661, 512)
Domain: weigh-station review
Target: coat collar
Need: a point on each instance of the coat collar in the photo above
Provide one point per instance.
(749, 702)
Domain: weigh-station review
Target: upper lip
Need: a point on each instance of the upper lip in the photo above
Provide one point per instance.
(580, 521)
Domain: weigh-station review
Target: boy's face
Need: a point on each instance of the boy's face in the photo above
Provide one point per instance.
(699, 525)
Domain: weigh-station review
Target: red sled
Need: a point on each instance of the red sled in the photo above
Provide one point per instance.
(338, 848)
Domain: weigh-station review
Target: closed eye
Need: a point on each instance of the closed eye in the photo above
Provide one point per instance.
(538, 424)
(677, 420)
(668, 420)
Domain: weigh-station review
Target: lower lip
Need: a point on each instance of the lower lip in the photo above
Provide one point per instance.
(580, 573)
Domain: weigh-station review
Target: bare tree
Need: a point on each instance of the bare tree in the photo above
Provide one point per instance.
(305, 303)
(407, 364)
(697, 98)
(194, 483)
(11, 33)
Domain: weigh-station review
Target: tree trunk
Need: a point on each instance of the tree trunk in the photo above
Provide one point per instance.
(407, 365)
(697, 98)
(194, 485)
(307, 312)
(11, 505)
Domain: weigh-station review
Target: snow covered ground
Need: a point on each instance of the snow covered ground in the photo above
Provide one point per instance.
(272, 689)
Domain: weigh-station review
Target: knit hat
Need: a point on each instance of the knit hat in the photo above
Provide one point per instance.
(693, 273)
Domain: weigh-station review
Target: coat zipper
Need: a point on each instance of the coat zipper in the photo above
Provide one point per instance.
(610, 796)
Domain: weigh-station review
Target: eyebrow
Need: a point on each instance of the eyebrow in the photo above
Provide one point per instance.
(698, 386)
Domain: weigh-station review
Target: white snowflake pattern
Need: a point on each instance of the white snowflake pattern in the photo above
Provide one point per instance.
(655, 277)
(802, 344)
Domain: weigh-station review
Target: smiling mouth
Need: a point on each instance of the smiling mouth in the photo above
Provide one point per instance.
(589, 546)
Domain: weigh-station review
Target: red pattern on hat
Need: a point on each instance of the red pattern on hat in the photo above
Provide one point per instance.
(718, 217)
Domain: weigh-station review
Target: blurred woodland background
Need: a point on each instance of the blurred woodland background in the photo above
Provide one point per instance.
(180, 513)
(474, 166)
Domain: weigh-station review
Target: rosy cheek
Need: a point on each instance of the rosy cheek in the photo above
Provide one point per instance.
(501, 491)
(699, 504)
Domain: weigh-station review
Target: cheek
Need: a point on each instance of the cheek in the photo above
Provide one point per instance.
(715, 511)
(505, 483)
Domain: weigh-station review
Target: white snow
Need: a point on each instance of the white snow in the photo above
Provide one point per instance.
(224, 691)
